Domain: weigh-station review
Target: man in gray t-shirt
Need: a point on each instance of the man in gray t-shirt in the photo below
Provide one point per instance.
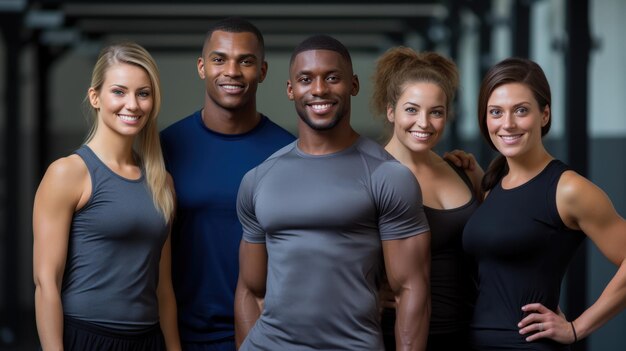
(322, 218)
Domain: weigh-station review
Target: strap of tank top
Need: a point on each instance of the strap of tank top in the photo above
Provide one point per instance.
(463, 175)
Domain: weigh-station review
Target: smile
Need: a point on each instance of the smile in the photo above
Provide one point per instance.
(320, 108)
(128, 118)
(420, 135)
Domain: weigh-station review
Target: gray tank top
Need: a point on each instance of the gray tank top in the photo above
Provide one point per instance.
(112, 268)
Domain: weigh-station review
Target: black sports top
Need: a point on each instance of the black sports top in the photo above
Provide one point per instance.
(523, 249)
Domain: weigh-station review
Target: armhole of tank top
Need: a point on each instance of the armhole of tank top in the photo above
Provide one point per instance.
(92, 181)
(554, 210)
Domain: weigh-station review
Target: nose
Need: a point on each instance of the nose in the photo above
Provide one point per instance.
(232, 69)
(509, 121)
(319, 87)
(131, 103)
(421, 119)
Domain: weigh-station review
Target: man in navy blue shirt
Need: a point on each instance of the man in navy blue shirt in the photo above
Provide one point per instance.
(207, 154)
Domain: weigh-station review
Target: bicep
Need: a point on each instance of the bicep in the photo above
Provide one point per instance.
(55, 202)
(253, 267)
(407, 260)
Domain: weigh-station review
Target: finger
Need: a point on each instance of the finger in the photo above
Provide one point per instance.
(452, 157)
(535, 307)
(537, 327)
(529, 320)
(538, 335)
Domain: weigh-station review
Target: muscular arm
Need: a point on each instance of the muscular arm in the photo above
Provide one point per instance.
(407, 262)
(64, 188)
(250, 288)
(585, 206)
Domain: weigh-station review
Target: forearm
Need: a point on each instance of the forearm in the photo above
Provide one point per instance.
(412, 319)
(49, 318)
(247, 312)
(610, 303)
(169, 320)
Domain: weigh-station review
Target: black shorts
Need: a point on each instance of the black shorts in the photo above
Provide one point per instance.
(80, 336)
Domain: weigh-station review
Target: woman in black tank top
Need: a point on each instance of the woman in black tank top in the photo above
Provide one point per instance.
(101, 217)
(536, 214)
(415, 93)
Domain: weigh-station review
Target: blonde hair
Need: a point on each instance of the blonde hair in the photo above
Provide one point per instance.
(401, 65)
(148, 145)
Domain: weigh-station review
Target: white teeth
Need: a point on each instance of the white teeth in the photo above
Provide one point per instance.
(230, 87)
(128, 118)
(420, 134)
(510, 137)
(321, 107)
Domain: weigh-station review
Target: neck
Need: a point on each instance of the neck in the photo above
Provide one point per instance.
(315, 142)
(113, 149)
(528, 165)
(412, 159)
(224, 121)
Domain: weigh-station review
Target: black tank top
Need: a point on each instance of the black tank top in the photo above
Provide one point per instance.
(522, 248)
(452, 273)
(452, 282)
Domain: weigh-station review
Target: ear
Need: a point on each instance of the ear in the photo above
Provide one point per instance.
(545, 116)
(355, 85)
(263, 71)
(289, 90)
(201, 68)
(390, 114)
(94, 100)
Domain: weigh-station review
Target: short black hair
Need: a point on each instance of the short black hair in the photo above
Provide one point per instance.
(321, 42)
(236, 25)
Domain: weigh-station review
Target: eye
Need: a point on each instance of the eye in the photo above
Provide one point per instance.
(521, 111)
(144, 94)
(248, 62)
(332, 78)
(494, 112)
(410, 110)
(117, 92)
(217, 59)
(304, 80)
(438, 113)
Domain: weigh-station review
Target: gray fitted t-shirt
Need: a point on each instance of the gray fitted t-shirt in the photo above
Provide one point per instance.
(322, 219)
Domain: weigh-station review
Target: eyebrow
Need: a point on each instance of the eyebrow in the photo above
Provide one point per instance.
(223, 54)
(514, 105)
(416, 104)
(125, 87)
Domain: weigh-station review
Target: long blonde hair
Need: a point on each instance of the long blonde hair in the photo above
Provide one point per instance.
(148, 145)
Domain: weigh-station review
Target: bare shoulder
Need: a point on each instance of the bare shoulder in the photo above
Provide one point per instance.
(66, 178)
(573, 187)
(578, 199)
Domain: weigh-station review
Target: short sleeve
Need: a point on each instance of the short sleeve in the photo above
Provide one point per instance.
(399, 201)
(252, 230)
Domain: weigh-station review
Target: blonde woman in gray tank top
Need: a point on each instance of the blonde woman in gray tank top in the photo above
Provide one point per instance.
(101, 221)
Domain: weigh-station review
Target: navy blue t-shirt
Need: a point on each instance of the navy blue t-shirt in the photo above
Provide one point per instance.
(207, 168)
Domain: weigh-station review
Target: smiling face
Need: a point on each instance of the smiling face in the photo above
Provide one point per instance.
(321, 84)
(232, 66)
(125, 99)
(419, 116)
(514, 120)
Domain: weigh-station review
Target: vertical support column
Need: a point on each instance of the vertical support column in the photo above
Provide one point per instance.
(10, 22)
(521, 28)
(576, 97)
